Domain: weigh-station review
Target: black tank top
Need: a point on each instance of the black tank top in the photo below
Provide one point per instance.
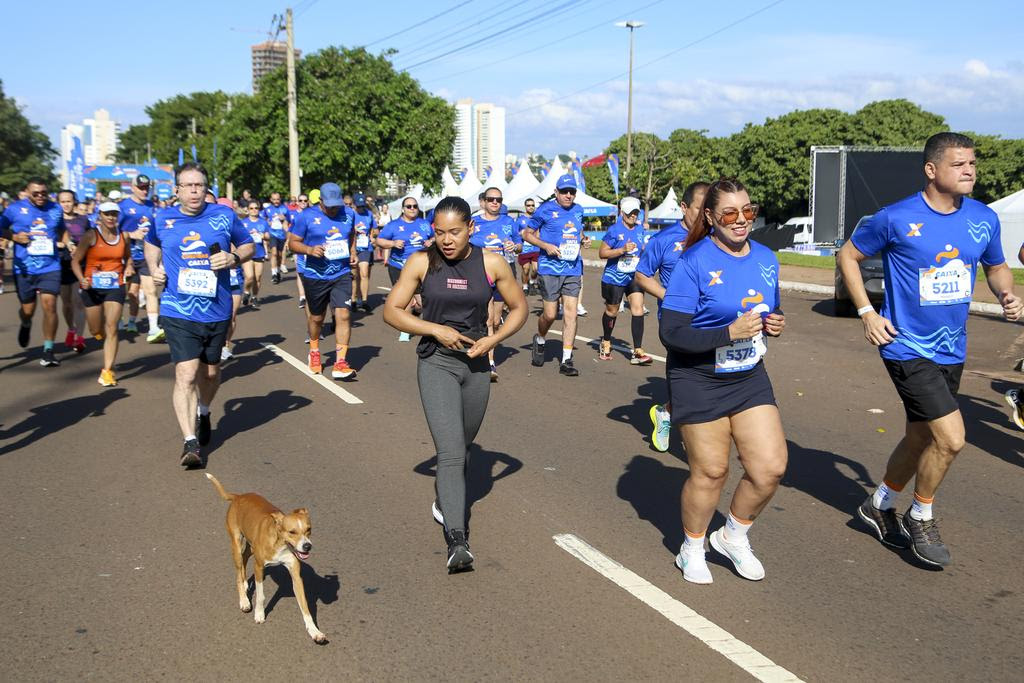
(456, 295)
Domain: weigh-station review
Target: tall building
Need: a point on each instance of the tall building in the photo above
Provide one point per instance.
(98, 137)
(266, 57)
(479, 136)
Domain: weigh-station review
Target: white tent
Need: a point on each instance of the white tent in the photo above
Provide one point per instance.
(668, 211)
(395, 207)
(523, 182)
(470, 186)
(545, 189)
(496, 180)
(449, 188)
(1011, 221)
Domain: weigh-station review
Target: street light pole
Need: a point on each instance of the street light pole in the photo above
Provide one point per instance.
(632, 25)
(293, 130)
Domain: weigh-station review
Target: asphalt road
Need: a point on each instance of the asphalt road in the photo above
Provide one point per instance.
(118, 566)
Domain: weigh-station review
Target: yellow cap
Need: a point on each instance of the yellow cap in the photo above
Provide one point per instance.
(314, 197)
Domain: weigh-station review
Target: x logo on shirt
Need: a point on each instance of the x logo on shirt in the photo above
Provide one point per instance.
(915, 229)
(716, 277)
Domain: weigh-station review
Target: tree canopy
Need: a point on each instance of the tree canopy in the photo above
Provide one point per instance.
(25, 151)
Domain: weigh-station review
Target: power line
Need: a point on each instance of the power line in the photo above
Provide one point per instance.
(303, 6)
(546, 13)
(426, 46)
(542, 46)
(418, 24)
(655, 60)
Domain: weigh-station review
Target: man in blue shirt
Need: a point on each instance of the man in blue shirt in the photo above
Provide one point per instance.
(137, 213)
(366, 234)
(531, 252)
(276, 216)
(622, 245)
(931, 244)
(36, 227)
(325, 235)
(662, 252)
(189, 252)
(557, 229)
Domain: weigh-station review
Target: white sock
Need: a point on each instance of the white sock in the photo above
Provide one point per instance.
(189, 437)
(691, 543)
(154, 325)
(204, 409)
(273, 271)
(921, 510)
(566, 354)
(736, 529)
(539, 339)
(884, 497)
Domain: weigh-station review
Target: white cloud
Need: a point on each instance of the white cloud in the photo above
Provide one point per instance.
(976, 67)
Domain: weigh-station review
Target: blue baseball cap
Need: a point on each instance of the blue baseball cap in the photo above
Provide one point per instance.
(359, 199)
(566, 181)
(330, 195)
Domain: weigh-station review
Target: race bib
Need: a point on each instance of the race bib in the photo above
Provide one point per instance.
(105, 280)
(742, 354)
(570, 251)
(197, 282)
(235, 277)
(628, 263)
(945, 286)
(40, 246)
(257, 236)
(362, 241)
(335, 249)
(276, 223)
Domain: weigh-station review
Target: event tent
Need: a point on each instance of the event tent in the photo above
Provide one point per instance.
(1010, 210)
(449, 188)
(395, 207)
(470, 186)
(545, 189)
(523, 182)
(668, 211)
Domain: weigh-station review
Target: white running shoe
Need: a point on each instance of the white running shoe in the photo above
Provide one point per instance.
(404, 337)
(435, 511)
(580, 310)
(225, 353)
(284, 268)
(662, 421)
(747, 566)
(693, 565)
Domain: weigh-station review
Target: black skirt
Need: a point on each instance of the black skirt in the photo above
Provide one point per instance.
(700, 395)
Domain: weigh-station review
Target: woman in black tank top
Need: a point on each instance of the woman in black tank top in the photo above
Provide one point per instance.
(457, 282)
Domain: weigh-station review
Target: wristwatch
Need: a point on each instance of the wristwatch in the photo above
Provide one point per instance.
(238, 261)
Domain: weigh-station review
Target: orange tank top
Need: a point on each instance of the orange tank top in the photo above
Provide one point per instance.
(105, 256)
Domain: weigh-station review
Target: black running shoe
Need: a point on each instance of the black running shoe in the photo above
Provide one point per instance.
(537, 354)
(24, 332)
(885, 524)
(254, 303)
(203, 429)
(568, 369)
(190, 454)
(245, 299)
(275, 278)
(925, 542)
(366, 307)
(459, 557)
(49, 360)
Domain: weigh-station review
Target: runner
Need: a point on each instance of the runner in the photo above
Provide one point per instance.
(276, 215)
(36, 226)
(300, 259)
(495, 232)
(366, 236)
(101, 262)
(528, 257)
(660, 256)
(457, 280)
(325, 235)
(722, 299)
(557, 229)
(259, 230)
(74, 312)
(931, 244)
(622, 245)
(189, 252)
(137, 213)
(236, 281)
(404, 236)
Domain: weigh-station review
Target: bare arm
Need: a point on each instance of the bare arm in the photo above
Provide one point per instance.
(78, 257)
(877, 330)
(154, 259)
(1000, 281)
(651, 285)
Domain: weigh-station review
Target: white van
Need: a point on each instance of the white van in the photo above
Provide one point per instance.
(804, 229)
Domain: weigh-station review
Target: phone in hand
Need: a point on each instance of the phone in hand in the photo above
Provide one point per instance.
(214, 249)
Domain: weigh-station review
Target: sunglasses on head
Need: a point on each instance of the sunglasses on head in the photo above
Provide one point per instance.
(730, 216)
(566, 190)
(493, 199)
(410, 206)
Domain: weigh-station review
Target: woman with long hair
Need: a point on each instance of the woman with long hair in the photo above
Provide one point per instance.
(457, 281)
(721, 302)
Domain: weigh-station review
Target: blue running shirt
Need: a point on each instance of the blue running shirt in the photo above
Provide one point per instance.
(414, 234)
(564, 229)
(662, 253)
(275, 216)
(621, 269)
(136, 216)
(45, 226)
(315, 228)
(716, 287)
(930, 261)
(257, 229)
(522, 223)
(194, 291)
(363, 224)
(492, 235)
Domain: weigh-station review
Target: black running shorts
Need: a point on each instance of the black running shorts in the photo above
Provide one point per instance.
(928, 389)
(191, 340)
(320, 293)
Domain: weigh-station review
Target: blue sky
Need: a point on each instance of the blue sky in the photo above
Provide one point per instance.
(61, 61)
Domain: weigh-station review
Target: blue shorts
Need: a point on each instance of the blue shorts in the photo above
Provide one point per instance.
(365, 256)
(277, 243)
(28, 285)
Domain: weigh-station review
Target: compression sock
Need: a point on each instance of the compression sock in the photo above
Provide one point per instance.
(921, 509)
(735, 528)
(884, 497)
(637, 325)
(607, 324)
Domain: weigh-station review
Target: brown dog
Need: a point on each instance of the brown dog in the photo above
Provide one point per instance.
(258, 529)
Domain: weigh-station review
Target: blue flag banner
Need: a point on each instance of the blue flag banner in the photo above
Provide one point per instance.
(577, 173)
(181, 157)
(487, 171)
(462, 174)
(194, 157)
(163, 191)
(76, 166)
(613, 168)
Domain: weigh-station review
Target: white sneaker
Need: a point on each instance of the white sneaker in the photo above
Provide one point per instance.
(693, 565)
(580, 310)
(404, 337)
(662, 421)
(284, 268)
(225, 353)
(747, 566)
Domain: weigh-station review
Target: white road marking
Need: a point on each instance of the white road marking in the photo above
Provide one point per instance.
(718, 639)
(332, 387)
(386, 289)
(620, 347)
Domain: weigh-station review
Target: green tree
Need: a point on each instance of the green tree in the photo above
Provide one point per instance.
(25, 151)
(134, 143)
(1000, 167)
(894, 123)
(358, 119)
(171, 128)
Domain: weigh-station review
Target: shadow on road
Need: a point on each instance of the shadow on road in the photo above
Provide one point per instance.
(984, 419)
(319, 589)
(249, 412)
(242, 365)
(827, 307)
(53, 417)
(360, 356)
(26, 356)
(480, 475)
(637, 413)
(820, 474)
(143, 364)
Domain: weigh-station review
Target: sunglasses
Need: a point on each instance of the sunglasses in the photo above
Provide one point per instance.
(566, 190)
(41, 193)
(110, 213)
(410, 206)
(730, 216)
(493, 199)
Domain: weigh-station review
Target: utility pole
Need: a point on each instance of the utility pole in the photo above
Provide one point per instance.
(632, 25)
(293, 128)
